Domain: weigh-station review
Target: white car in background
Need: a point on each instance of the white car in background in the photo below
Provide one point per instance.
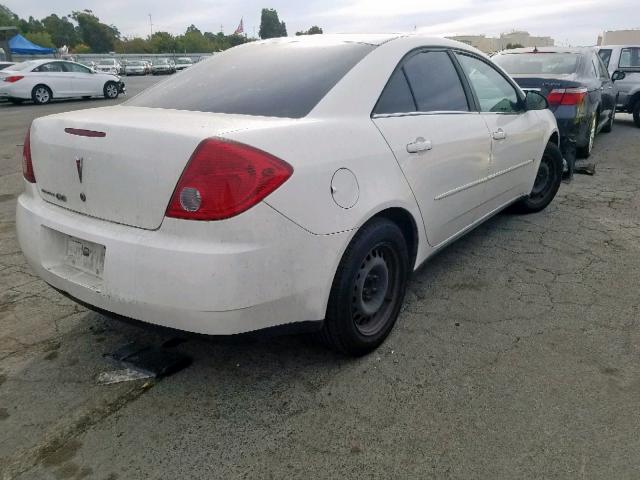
(183, 62)
(109, 65)
(246, 193)
(43, 80)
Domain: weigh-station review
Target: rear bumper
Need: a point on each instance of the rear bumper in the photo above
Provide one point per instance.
(255, 271)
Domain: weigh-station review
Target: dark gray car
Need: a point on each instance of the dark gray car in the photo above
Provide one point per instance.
(625, 58)
(578, 88)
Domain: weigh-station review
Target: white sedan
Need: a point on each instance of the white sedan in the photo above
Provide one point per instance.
(293, 183)
(43, 80)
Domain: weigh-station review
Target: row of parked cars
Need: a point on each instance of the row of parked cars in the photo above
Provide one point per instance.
(157, 66)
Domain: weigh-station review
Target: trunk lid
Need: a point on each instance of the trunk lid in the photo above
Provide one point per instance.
(545, 83)
(128, 174)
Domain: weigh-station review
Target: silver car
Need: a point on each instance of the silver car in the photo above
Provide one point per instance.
(626, 59)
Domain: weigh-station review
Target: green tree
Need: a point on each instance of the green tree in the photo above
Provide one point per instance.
(193, 41)
(513, 45)
(315, 30)
(270, 24)
(81, 48)
(162, 42)
(101, 38)
(42, 39)
(8, 18)
(61, 30)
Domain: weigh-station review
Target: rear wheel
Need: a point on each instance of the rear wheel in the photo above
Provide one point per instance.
(368, 289)
(111, 90)
(585, 152)
(636, 113)
(546, 184)
(41, 94)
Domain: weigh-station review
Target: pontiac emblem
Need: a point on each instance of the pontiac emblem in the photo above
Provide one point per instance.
(79, 168)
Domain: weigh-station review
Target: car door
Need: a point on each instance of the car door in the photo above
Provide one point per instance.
(83, 80)
(515, 132)
(441, 144)
(55, 76)
(606, 87)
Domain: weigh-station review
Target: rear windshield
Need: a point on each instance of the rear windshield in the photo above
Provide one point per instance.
(19, 67)
(538, 63)
(267, 79)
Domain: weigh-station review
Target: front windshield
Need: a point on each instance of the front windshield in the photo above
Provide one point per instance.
(135, 64)
(106, 62)
(161, 61)
(183, 60)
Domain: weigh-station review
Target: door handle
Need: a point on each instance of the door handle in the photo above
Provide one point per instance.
(499, 134)
(419, 145)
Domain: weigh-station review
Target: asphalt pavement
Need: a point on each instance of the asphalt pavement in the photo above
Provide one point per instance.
(515, 356)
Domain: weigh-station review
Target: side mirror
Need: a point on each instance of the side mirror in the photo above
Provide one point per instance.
(618, 75)
(535, 101)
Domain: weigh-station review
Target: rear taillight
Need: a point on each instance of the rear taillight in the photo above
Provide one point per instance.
(566, 96)
(27, 164)
(13, 78)
(225, 178)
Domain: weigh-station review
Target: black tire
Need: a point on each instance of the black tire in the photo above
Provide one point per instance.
(585, 152)
(111, 90)
(609, 125)
(41, 95)
(368, 289)
(547, 182)
(636, 113)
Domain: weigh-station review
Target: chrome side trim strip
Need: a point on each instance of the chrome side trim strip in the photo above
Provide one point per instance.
(482, 180)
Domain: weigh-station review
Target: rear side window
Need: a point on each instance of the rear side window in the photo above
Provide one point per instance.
(630, 58)
(52, 67)
(270, 79)
(605, 55)
(396, 97)
(435, 83)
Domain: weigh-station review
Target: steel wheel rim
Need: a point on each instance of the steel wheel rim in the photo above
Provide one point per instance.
(544, 179)
(42, 95)
(111, 91)
(374, 290)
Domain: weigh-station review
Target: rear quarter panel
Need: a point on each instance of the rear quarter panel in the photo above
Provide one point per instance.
(317, 149)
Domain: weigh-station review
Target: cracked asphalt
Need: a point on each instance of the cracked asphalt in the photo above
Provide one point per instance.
(517, 355)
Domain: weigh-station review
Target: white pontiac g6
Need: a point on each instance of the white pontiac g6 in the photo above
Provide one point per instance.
(293, 182)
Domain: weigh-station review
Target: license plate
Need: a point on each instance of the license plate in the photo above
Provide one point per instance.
(85, 256)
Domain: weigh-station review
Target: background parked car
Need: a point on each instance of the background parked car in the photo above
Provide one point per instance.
(44, 80)
(4, 65)
(109, 65)
(135, 67)
(162, 66)
(578, 88)
(183, 62)
(626, 59)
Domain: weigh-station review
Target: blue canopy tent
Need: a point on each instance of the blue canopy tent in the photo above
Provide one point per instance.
(22, 46)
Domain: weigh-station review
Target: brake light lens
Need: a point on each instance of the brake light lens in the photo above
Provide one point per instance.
(566, 96)
(27, 164)
(223, 179)
(13, 78)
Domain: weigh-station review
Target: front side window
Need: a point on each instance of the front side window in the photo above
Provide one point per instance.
(605, 55)
(630, 58)
(492, 90)
(74, 67)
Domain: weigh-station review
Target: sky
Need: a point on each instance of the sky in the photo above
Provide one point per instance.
(569, 22)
